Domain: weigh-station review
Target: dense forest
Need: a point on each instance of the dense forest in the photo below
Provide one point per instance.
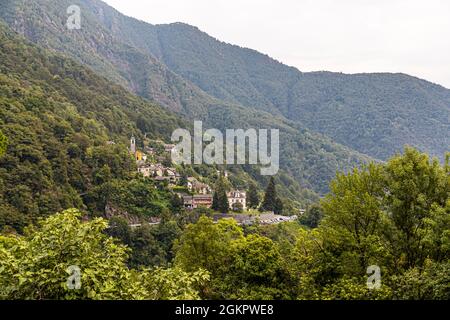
(58, 118)
(375, 114)
(393, 216)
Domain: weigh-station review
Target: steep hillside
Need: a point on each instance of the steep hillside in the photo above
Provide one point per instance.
(376, 114)
(44, 23)
(58, 117)
(309, 158)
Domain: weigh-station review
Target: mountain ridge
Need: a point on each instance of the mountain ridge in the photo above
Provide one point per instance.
(305, 95)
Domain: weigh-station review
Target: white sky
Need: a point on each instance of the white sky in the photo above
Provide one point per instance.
(351, 36)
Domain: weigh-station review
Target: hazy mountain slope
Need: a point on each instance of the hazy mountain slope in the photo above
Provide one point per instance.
(44, 23)
(309, 158)
(373, 113)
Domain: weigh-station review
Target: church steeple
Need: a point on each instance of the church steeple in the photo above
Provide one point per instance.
(133, 145)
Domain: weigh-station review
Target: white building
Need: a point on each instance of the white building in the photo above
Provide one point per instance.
(237, 196)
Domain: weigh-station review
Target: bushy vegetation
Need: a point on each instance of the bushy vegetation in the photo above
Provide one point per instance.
(3, 143)
(395, 216)
(40, 264)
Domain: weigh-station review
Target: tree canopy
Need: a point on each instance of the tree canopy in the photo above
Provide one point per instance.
(40, 265)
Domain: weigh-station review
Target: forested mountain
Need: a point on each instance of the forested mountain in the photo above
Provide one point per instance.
(58, 117)
(376, 114)
(183, 68)
(309, 160)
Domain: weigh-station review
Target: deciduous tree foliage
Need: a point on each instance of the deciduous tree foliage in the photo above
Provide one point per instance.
(34, 266)
(58, 117)
(359, 229)
(241, 267)
(392, 215)
(416, 187)
(312, 216)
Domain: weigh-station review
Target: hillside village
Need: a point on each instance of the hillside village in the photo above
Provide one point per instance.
(154, 163)
(200, 194)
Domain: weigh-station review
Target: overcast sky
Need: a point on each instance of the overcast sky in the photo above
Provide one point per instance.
(351, 36)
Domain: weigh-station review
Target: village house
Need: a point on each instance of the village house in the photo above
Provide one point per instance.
(169, 147)
(150, 151)
(161, 179)
(196, 201)
(237, 197)
(198, 187)
(172, 174)
(152, 170)
(159, 171)
(145, 171)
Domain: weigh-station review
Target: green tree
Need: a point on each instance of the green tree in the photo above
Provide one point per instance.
(119, 228)
(432, 282)
(437, 233)
(220, 198)
(312, 217)
(146, 249)
(215, 200)
(203, 245)
(354, 221)
(166, 233)
(173, 283)
(395, 215)
(176, 203)
(38, 265)
(253, 199)
(35, 266)
(256, 265)
(183, 180)
(208, 246)
(279, 206)
(224, 205)
(355, 289)
(416, 186)
(237, 207)
(270, 197)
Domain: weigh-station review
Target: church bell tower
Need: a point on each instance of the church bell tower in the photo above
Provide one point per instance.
(133, 145)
